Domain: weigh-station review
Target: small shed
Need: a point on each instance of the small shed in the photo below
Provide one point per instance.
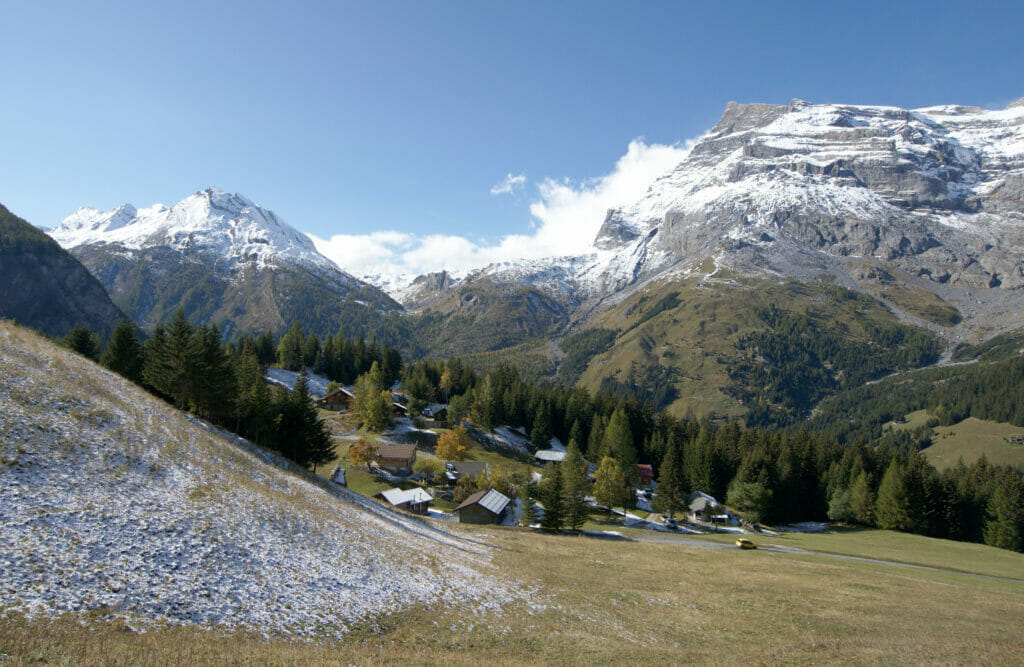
(435, 415)
(487, 506)
(396, 459)
(543, 456)
(456, 470)
(414, 500)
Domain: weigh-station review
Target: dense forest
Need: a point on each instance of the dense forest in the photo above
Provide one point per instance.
(831, 467)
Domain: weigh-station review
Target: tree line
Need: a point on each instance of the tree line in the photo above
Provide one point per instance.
(770, 475)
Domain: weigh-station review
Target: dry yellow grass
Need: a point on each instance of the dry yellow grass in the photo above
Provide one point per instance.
(617, 602)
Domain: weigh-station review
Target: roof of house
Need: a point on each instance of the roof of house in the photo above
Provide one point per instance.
(549, 455)
(340, 391)
(489, 499)
(435, 408)
(388, 451)
(700, 504)
(411, 496)
(645, 470)
(467, 468)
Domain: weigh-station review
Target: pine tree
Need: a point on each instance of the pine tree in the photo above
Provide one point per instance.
(1004, 527)
(170, 364)
(610, 488)
(554, 489)
(302, 436)
(124, 352)
(668, 498)
(540, 434)
(289, 350)
(527, 510)
(862, 500)
(618, 440)
(577, 486)
(84, 342)
(892, 509)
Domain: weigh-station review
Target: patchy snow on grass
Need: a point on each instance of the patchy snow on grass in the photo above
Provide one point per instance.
(287, 379)
(112, 500)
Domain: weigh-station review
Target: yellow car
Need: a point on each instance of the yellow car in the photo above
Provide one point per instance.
(744, 543)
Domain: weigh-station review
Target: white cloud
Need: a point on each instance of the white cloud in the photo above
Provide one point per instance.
(510, 184)
(565, 220)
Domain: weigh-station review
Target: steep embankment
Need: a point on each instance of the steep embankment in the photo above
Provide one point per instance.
(111, 500)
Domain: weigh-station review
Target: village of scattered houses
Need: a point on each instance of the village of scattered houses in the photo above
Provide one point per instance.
(394, 462)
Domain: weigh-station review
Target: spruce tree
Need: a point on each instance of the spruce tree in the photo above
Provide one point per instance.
(668, 497)
(84, 342)
(289, 350)
(892, 509)
(554, 488)
(540, 434)
(1004, 527)
(610, 487)
(618, 440)
(577, 486)
(124, 352)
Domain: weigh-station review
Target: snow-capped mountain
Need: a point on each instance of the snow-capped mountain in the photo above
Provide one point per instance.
(803, 191)
(227, 227)
(221, 258)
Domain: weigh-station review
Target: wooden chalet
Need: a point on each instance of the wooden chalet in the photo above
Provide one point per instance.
(396, 459)
(487, 506)
(339, 399)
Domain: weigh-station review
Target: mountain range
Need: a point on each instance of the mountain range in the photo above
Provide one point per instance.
(867, 222)
(219, 257)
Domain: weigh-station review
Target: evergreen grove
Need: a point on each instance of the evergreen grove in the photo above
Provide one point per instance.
(772, 476)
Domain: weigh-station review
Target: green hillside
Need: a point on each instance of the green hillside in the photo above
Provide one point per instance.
(722, 347)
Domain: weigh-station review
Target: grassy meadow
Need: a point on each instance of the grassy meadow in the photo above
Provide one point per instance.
(612, 601)
(968, 440)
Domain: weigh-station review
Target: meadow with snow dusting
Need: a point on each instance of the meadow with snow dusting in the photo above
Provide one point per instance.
(111, 500)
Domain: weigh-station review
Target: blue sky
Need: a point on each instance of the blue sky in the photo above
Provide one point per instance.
(406, 119)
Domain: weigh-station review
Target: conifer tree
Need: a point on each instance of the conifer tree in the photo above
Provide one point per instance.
(554, 488)
(577, 486)
(892, 509)
(84, 342)
(862, 500)
(527, 510)
(124, 352)
(540, 434)
(610, 487)
(618, 440)
(302, 436)
(289, 350)
(1004, 527)
(668, 498)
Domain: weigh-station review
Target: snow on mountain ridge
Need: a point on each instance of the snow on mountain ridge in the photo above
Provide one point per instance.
(210, 221)
(783, 188)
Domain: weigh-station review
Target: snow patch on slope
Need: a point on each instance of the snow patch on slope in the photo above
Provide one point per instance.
(111, 500)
